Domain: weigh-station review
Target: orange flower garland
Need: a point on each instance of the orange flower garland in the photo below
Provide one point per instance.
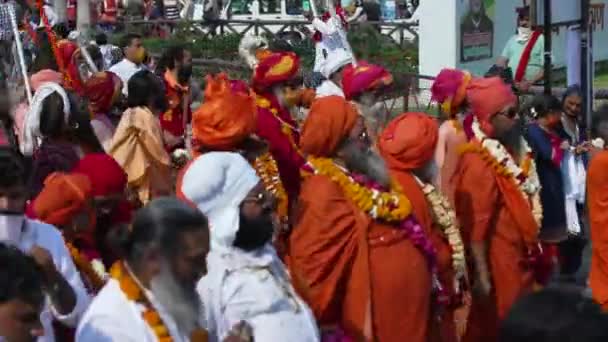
(95, 280)
(391, 206)
(134, 292)
(267, 169)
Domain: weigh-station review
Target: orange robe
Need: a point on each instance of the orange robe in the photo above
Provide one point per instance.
(359, 274)
(422, 212)
(482, 208)
(597, 188)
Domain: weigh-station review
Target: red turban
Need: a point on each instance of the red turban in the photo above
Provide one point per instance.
(364, 77)
(450, 89)
(275, 68)
(102, 90)
(408, 142)
(227, 116)
(63, 197)
(329, 121)
(488, 97)
(106, 175)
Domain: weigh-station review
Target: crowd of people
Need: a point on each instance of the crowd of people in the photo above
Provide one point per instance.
(129, 214)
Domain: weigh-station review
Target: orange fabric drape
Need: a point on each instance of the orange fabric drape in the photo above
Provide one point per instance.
(597, 192)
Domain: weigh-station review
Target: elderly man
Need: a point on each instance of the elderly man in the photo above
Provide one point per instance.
(246, 280)
(498, 206)
(67, 296)
(407, 145)
(354, 233)
(151, 293)
(363, 85)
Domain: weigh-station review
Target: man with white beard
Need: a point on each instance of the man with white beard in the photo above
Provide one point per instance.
(151, 294)
(246, 279)
(67, 297)
(359, 258)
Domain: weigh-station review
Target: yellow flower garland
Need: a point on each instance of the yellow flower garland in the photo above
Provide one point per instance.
(287, 129)
(390, 206)
(95, 280)
(132, 289)
(267, 169)
(444, 216)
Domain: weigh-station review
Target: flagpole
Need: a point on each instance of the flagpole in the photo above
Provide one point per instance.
(17, 36)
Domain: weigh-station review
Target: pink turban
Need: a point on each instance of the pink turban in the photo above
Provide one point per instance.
(44, 76)
(450, 89)
(488, 97)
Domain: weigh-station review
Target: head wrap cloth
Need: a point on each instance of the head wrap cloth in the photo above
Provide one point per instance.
(63, 196)
(488, 97)
(275, 68)
(450, 90)
(101, 90)
(408, 142)
(217, 183)
(329, 122)
(106, 175)
(363, 78)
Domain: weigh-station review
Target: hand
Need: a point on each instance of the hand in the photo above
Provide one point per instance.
(524, 85)
(583, 148)
(483, 285)
(565, 145)
(43, 258)
(240, 333)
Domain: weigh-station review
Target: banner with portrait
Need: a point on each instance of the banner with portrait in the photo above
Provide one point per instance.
(477, 31)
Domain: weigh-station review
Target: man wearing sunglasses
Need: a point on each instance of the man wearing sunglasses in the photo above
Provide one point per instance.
(498, 205)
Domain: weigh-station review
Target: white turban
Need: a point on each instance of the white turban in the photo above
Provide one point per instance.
(32, 117)
(218, 182)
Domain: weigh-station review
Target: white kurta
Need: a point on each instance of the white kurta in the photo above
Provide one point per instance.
(112, 317)
(255, 288)
(329, 88)
(125, 69)
(48, 237)
(330, 40)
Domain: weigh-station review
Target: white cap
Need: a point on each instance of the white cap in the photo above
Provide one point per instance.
(335, 60)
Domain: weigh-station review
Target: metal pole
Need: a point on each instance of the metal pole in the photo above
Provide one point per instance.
(585, 81)
(548, 35)
(17, 37)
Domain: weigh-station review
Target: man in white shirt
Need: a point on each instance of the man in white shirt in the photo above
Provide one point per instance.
(163, 258)
(67, 297)
(134, 54)
(246, 279)
(332, 69)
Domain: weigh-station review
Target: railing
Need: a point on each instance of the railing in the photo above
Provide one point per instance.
(400, 32)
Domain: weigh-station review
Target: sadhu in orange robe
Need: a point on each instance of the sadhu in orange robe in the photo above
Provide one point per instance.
(354, 272)
(597, 188)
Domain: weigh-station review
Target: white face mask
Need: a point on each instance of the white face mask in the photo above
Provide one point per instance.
(11, 226)
(523, 33)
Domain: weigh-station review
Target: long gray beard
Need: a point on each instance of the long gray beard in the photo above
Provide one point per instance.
(183, 304)
(513, 138)
(367, 162)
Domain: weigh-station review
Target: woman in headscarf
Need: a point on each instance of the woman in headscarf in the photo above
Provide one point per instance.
(103, 92)
(108, 184)
(138, 144)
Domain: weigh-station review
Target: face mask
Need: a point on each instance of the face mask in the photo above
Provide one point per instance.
(523, 33)
(184, 73)
(10, 228)
(140, 55)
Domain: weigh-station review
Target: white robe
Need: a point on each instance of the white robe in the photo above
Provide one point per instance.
(125, 69)
(330, 40)
(40, 234)
(112, 317)
(255, 288)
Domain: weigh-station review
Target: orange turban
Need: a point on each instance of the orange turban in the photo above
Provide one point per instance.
(450, 89)
(364, 77)
(63, 196)
(275, 68)
(488, 97)
(329, 121)
(408, 142)
(227, 116)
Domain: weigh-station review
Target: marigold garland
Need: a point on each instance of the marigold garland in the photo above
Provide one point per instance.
(267, 169)
(389, 206)
(444, 216)
(523, 175)
(135, 293)
(96, 278)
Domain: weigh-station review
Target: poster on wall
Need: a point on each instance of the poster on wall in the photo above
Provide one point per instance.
(477, 31)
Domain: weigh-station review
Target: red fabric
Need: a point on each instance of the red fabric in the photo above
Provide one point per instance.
(69, 52)
(276, 68)
(106, 175)
(102, 90)
(288, 158)
(172, 120)
(525, 57)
